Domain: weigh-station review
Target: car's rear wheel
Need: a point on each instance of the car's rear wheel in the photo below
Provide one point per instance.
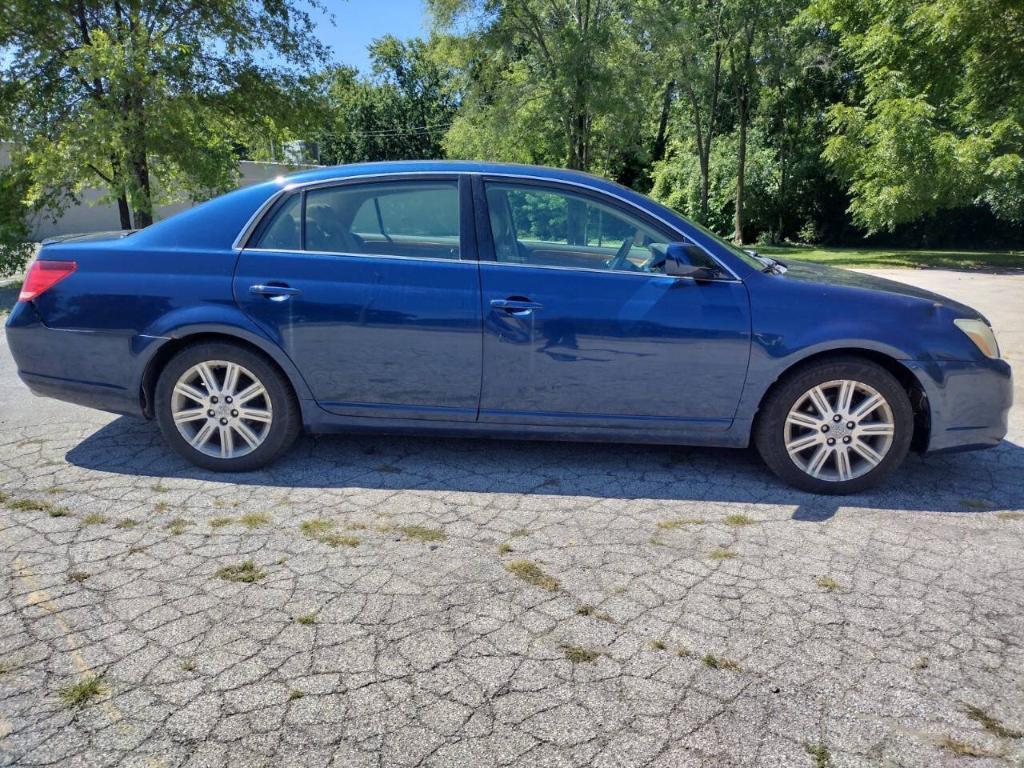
(837, 426)
(226, 408)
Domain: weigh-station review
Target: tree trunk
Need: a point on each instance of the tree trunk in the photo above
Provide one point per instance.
(123, 211)
(661, 140)
(741, 167)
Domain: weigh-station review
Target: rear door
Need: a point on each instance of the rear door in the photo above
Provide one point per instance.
(371, 287)
(582, 327)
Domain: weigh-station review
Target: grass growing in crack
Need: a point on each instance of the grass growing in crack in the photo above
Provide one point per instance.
(504, 549)
(719, 662)
(159, 488)
(221, 522)
(94, 518)
(161, 507)
(921, 662)
(531, 573)
(657, 644)
(721, 554)
(253, 520)
(306, 619)
(78, 577)
(320, 530)
(682, 651)
(819, 753)
(6, 667)
(990, 723)
(1010, 515)
(963, 749)
(577, 654)
(178, 525)
(295, 693)
(738, 520)
(519, 532)
(422, 533)
(316, 527)
(245, 572)
(83, 691)
(827, 583)
(134, 550)
(126, 523)
(188, 665)
(679, 522)
(35, 505)
(57, 511)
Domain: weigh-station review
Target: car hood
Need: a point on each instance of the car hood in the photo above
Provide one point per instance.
(805, 271)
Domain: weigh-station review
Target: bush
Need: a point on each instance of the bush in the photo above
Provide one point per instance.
(16, 247)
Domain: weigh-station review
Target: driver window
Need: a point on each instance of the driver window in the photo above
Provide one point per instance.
(548, 227)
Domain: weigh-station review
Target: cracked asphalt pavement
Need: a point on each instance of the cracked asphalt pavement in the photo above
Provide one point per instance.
(424, 602)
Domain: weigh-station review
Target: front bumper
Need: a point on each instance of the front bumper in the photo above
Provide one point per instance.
(969, 402)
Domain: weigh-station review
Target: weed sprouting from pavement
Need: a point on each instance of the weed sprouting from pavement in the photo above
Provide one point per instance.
(682, 651)
(253, 520)
(188, 665)
(161, 507)
(295, 694)
(657, 644)
(518, 532)
(921, 662)
(827, 583)
(679, 522)
(178, 525)
(719, 662)
(35, 505)
(422, 533)
(504, 548)
(577, 654)
(306, 619)
(320, 530)
(245, 572)
(1010, 515)
(316, 527)
(531, 573)
(126, 523)
(159, 487)
(77, 577)
(94, 518)
(6, 667)
(592, 612)
(819, 753)
(83, 691)
(990, 723)
(738, 520)
(721, 554)
(220, 522)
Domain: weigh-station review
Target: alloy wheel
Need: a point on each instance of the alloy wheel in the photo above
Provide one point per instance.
(221, 409)
(839, 430)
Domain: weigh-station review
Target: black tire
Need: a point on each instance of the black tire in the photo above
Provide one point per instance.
(770, 431)
(285, 424)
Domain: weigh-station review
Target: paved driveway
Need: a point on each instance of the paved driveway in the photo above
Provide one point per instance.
(406, 602)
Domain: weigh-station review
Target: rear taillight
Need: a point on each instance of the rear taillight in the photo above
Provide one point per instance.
(42, 276)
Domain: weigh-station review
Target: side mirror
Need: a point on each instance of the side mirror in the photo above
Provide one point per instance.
(681, 260)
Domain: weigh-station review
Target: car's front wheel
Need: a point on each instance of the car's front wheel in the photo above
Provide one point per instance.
(836, 426)
(226, 408)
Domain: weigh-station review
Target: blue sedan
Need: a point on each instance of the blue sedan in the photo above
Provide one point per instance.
(501, 301)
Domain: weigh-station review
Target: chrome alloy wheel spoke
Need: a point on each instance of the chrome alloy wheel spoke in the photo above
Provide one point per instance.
(221, 409)
(839, 430)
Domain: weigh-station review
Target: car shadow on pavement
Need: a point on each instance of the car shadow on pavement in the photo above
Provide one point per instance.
(954, 483)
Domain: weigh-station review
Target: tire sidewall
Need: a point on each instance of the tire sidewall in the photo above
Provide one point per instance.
(283, 428)
(770, 431)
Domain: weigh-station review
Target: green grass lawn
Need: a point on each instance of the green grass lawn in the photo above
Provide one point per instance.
(999, 261)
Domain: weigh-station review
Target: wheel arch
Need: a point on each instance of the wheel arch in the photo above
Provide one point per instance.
(906, 377)
(159, 358)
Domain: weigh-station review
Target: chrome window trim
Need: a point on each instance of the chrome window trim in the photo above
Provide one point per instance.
(250, 225)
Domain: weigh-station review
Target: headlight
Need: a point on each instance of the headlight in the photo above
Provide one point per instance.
(981, 334)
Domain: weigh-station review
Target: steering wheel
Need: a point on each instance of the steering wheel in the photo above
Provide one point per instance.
(616, 261)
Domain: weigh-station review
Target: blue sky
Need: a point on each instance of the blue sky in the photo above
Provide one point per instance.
(358, 22)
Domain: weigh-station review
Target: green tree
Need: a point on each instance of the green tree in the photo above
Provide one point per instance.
(401, 112)
(935, 119)
(547, 79)
(123, 93)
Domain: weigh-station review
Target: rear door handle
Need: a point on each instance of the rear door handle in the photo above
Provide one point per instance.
(516, 307)
(274, 292)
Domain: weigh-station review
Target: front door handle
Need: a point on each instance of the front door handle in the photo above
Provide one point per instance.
(517, 307)
(274, 292)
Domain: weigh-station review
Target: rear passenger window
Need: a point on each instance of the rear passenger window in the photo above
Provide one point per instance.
(417, 219)
(282, 234)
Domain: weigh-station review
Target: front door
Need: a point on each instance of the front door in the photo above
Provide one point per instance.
(372, 289)
(583, 328)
